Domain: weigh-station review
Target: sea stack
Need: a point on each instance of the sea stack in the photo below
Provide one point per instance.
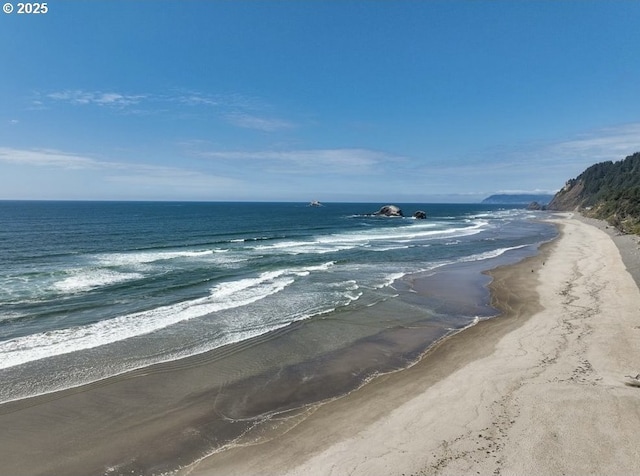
(389, 211)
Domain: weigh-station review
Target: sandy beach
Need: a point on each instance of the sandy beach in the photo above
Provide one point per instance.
(540, 390)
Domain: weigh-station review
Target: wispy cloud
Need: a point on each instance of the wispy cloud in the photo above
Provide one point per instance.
(227, 102)
(196, 99)
(109, 99)
(47, 157)
(612, 143)
(536, 167)
(116, 171)
(325, 161)
(172, 178)
(266, 124)
(235, 109)
(567, 158)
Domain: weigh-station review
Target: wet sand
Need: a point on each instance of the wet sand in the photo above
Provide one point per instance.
(540, 390)
(163, 417)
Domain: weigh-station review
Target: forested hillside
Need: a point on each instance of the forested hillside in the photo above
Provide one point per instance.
(608, 190)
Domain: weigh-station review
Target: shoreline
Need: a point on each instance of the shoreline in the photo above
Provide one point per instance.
(425, 419)
(539, 390)
(222, 397)
(449, 354)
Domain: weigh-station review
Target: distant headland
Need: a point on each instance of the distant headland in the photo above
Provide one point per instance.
(518, 199)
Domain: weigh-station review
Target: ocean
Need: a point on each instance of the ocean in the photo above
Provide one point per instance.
(93, 290)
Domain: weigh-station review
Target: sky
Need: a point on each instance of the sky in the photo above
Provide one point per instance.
(359, 101)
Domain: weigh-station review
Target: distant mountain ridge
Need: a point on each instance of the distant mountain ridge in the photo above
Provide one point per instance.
(517, 199)
(607, 190)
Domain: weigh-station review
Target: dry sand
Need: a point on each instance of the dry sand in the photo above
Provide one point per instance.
(541, 390)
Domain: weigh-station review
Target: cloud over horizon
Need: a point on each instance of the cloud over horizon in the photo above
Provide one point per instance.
(279, 102)
(235, 109)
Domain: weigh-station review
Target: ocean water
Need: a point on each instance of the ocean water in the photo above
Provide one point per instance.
(90, 290)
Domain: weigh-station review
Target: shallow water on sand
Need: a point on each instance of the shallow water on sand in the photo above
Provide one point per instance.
(297, 311)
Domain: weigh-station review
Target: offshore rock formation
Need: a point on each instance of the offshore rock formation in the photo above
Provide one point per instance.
(394, 211)
(389, 211)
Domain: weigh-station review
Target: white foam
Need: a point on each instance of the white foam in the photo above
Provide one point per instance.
(350, 285)
(222, 296)
(390, 248)
(11, 316)
(39, 346)
(490, 254)
(372, 238)
(308, 269)
(132, 259)
(389, 280)
(85, 280)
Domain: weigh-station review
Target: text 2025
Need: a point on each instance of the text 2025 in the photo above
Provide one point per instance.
(32, 8)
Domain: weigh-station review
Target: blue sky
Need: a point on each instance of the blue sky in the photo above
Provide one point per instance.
(382, 101)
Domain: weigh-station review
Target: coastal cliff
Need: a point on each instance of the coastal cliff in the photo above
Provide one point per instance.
(607, 190)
